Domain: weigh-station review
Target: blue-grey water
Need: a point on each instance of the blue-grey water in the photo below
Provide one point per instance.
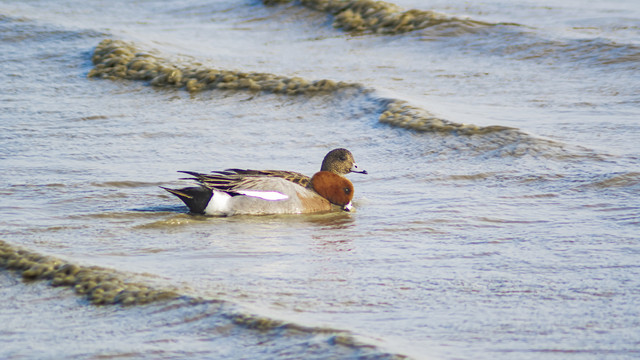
(514, 245)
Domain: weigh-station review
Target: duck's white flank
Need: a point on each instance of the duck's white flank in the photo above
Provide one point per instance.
(219, 203)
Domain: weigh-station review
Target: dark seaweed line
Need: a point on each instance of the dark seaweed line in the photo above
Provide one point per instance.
(380, 17)
(102, 286)
(99, 286)
(115, 59)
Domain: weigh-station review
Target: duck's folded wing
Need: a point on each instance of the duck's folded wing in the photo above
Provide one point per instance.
(292, 176)
(252, 182)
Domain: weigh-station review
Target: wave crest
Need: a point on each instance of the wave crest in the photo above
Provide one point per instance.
(381, 17)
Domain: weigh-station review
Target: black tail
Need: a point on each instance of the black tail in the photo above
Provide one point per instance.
(196, 198)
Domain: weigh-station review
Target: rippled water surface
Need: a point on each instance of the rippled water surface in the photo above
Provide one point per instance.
(520, 243)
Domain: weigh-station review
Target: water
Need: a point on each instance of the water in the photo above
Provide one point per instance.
(517, 244)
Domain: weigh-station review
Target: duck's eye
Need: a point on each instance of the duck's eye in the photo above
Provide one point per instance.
(347, 190)
(343, 158)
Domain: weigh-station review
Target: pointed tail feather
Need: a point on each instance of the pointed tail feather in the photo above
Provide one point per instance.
(196, 198)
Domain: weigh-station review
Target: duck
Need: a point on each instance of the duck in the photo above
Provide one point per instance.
(262, 192)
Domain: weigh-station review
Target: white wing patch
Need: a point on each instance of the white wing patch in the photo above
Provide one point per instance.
(266, 195)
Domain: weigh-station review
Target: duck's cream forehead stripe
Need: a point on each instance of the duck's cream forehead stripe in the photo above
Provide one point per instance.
(266, 195)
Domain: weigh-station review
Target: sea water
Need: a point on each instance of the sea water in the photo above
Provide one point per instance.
(521, 243)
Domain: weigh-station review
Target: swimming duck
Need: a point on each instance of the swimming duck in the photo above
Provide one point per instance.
(244, 191)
